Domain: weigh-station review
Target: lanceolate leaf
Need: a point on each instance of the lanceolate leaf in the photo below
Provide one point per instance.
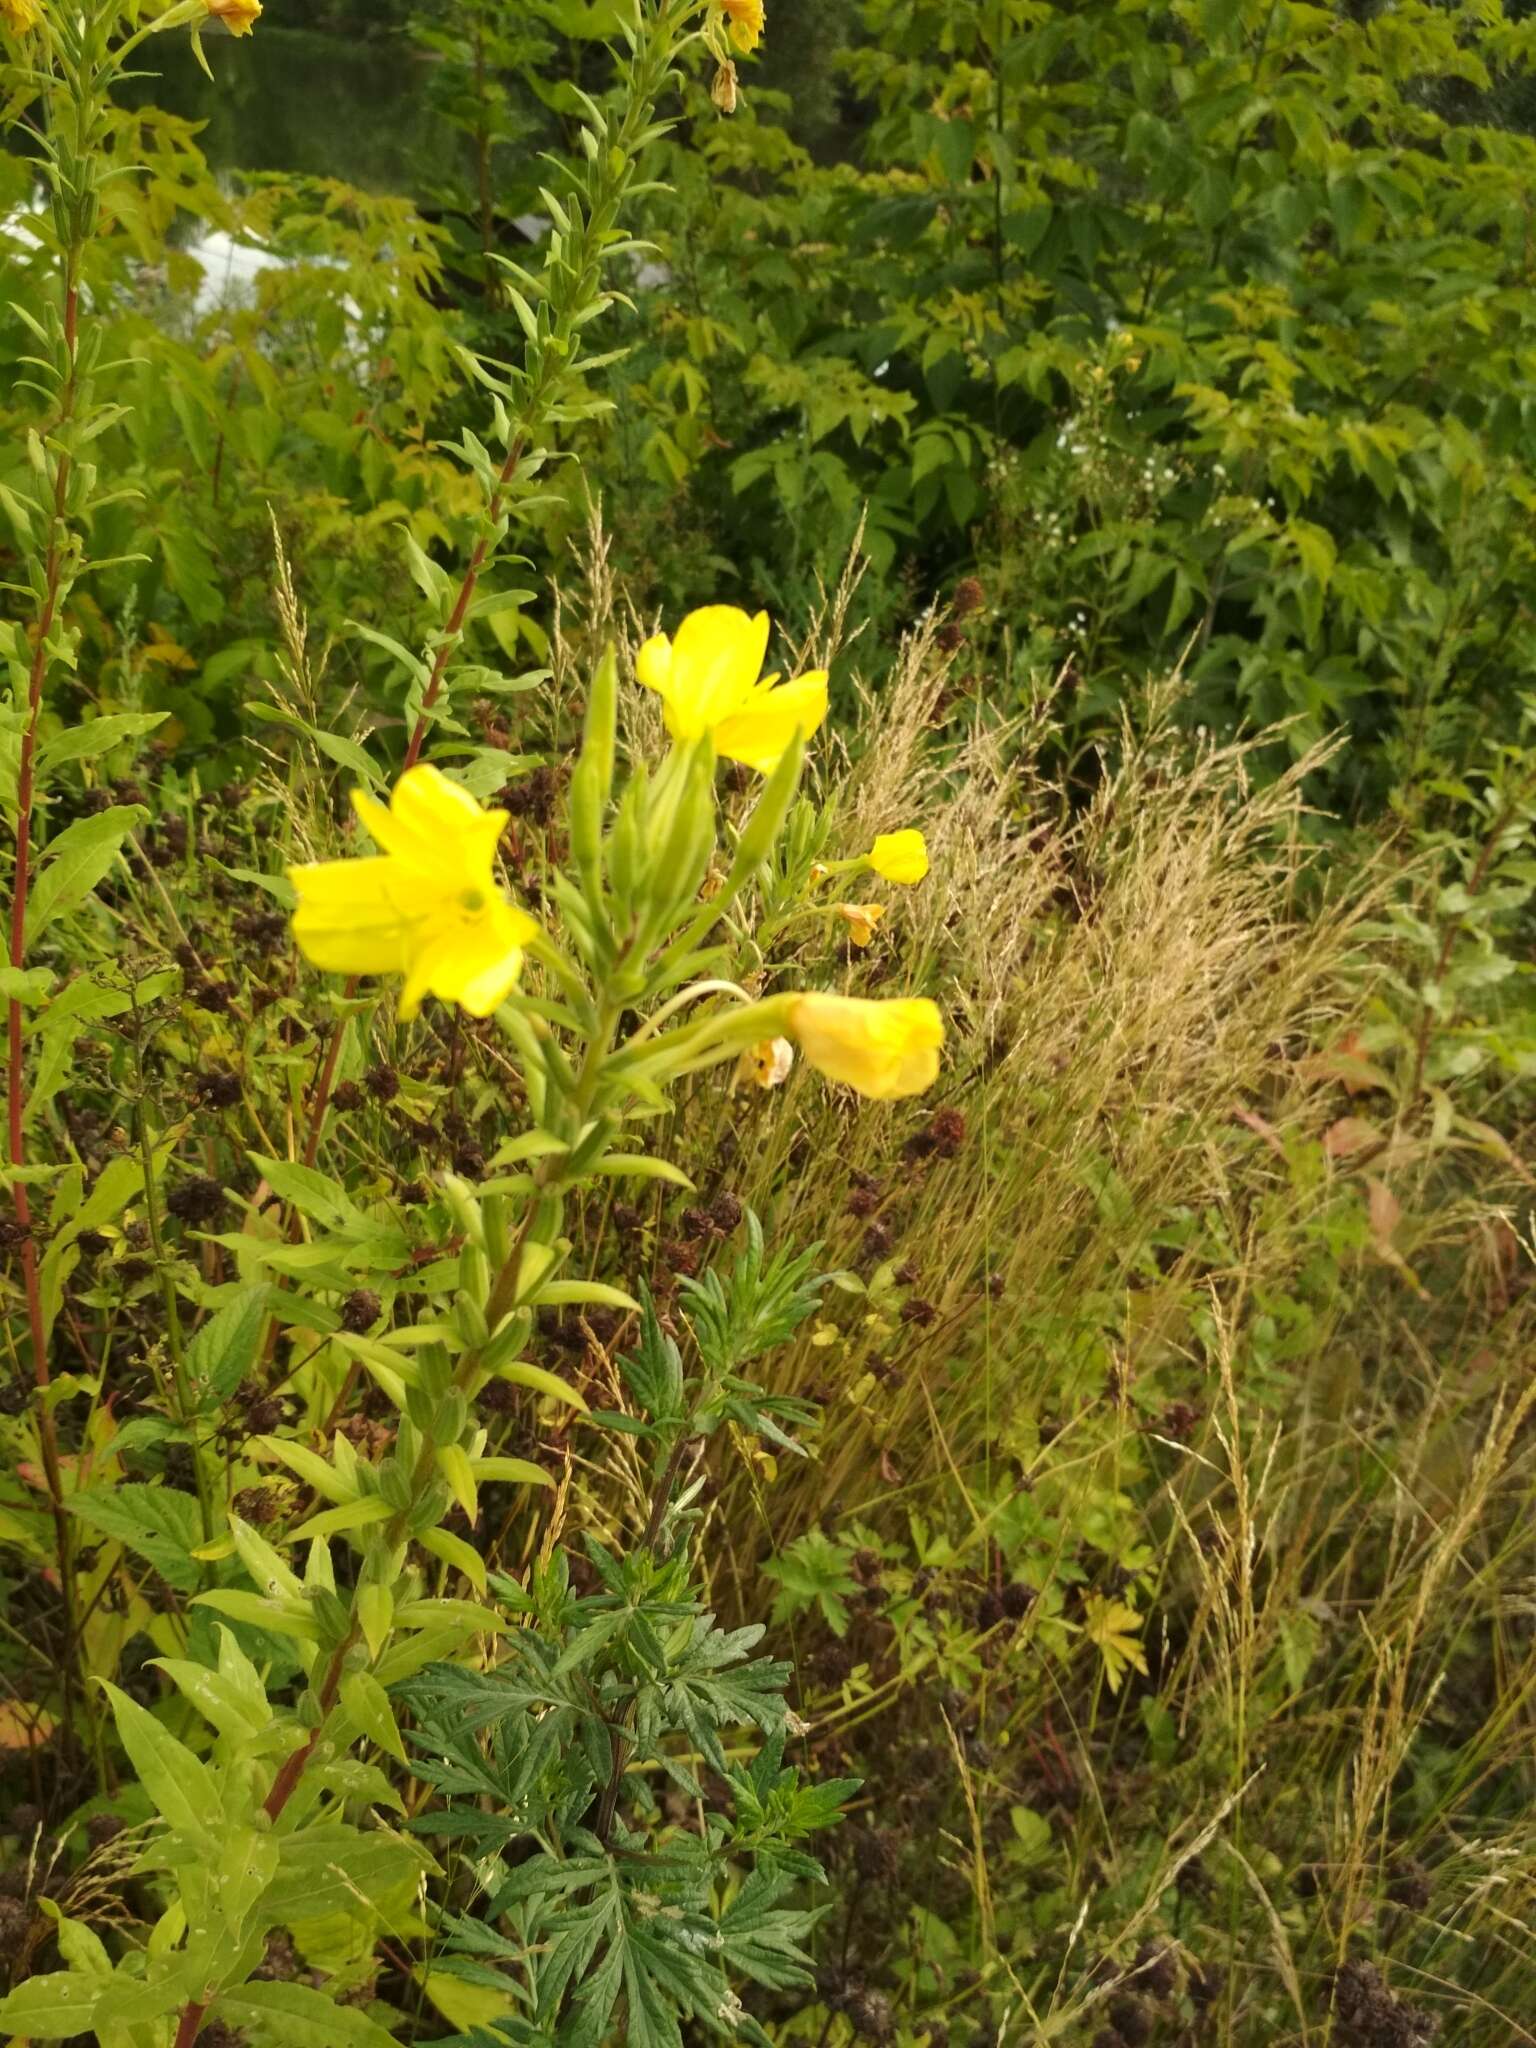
(295, 2016)
(75, 862)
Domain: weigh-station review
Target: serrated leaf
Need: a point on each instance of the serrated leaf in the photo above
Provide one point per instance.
(157, 1522)
(226, 1347)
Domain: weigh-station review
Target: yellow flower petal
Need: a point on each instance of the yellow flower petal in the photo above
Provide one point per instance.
(347, 920)
(861, 919)
(20, 15)
(884, 1050)
(759, 734)
(428, 907)
(708, 671)
(900, 857)
(745, 22)
(473, 961)
(238, 16)
(430, 821)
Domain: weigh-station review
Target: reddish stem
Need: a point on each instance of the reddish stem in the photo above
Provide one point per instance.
(462, 603)
(324, 1082)
(284, 1785)
(15, 1077)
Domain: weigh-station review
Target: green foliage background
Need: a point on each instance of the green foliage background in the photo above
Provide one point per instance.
(1166, 370)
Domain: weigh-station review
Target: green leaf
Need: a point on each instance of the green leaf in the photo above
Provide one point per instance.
(570, 1293)
(365, 1513)
(155, 1521)
(25, 984)
(640, 1166)
(97, 736)
(336, 746)
(333, 1868)
(283, 1619)
(454, 1552)
(517, 1470)
(295, 2016)
(226, 1348)
(66, 2003)
(312, 1193)
(367, 1702)
(521, 1374)
(233, 1698)
(75, 862)
(181, 1786)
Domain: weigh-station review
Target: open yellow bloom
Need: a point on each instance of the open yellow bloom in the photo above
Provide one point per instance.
(710, 680)
(20, 15)
(899, 856)
(238, 16)
(861, 919)
(428, 907)
(885, 1050)
(746, 18)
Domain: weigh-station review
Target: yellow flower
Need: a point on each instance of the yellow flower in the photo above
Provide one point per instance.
(767, 1064)
(238, 16)
(20, 15)
(746, 22)
(861, 919)
(885, 1050)
(710, 680)
(428, 907)
(899, 856)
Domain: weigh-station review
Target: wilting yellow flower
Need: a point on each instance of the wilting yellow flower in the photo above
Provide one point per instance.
(746, 22)
(899, 856)
(723, 88)
(861, 919)
(767, 1064)
(710, 680)
(238, 16)
(428, 907)
(20, 15)
(883, 1049)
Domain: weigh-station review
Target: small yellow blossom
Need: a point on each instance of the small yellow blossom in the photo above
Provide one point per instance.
(723, 89)
(861, 919)
(884, 1050)
(710, 680)
(20, 15)
(899, 856)
(428, 907)
(238, 16)
(767, 1064)
(745, 18)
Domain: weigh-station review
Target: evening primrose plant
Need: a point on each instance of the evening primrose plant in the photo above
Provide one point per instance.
(604, 1005)
(258, 1770)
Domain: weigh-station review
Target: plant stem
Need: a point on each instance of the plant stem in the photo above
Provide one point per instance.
(574, 288)
(53, 590)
